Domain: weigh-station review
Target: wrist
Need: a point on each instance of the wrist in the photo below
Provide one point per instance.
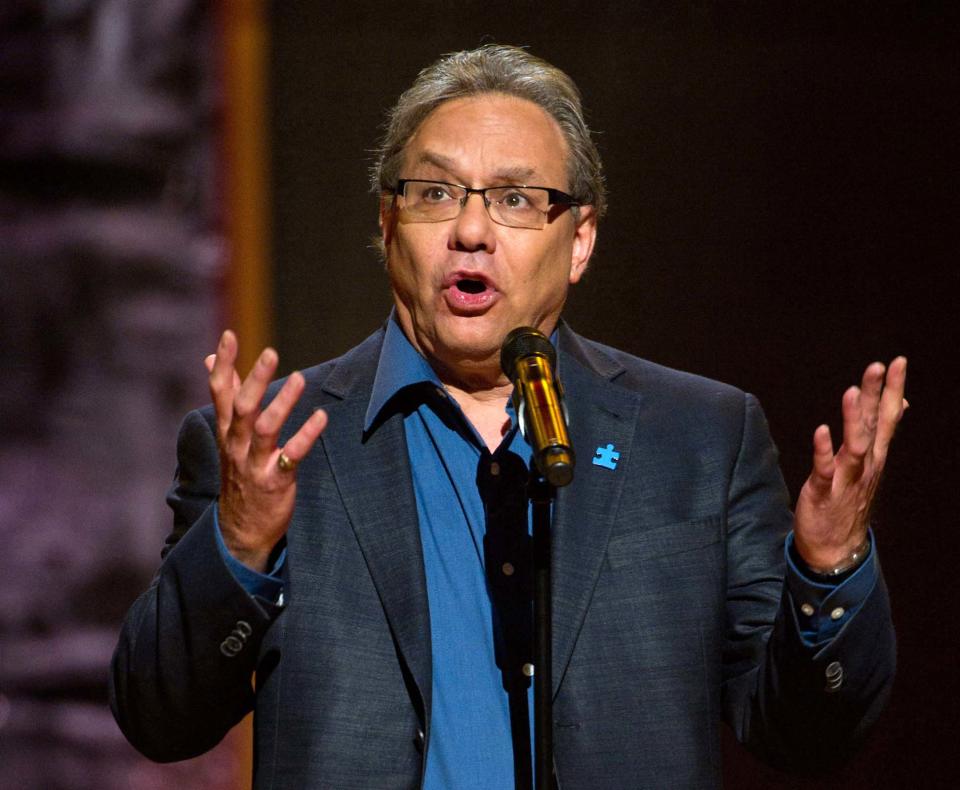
(255, 556)
(834, 568)
(254, 559)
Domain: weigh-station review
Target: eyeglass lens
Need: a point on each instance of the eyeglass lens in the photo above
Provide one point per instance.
(514, 206)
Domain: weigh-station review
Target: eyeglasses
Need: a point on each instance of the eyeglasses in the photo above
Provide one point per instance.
(514, 206)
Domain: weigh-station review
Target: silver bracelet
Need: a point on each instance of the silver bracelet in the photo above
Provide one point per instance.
(848, 563)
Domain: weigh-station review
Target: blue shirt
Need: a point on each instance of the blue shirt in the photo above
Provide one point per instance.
(474, 529)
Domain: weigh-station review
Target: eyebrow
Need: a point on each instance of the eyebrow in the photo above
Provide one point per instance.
(518, 174)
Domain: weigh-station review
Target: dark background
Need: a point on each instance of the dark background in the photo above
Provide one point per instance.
(782, 183)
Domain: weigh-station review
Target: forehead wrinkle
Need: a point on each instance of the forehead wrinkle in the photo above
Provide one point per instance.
(518, 174)
(510, 174)
(437, 159)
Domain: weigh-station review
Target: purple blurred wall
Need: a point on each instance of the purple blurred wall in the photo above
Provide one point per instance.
(112, 253)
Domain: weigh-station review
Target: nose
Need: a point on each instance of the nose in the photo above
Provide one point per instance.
(473, 229)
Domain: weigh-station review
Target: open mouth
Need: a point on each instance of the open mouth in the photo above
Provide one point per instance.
(469, 293)
(471, 286)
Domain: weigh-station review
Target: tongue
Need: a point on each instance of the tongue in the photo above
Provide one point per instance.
(471, 286)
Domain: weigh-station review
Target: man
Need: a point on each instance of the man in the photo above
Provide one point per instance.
(356, 536)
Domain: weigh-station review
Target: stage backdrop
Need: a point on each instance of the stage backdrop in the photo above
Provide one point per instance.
(783, 210)
(781, 213)
(113, 260)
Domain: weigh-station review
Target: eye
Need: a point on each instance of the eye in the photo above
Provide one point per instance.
(515, 200)
(434, 193)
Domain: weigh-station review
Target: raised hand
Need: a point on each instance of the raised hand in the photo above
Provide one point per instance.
(257, 478)
(833, 508)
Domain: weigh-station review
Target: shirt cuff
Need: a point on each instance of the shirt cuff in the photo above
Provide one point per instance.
(268, 586)
(822, 609)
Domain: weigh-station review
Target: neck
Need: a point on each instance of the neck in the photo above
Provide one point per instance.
(482, 393)
(486, 410)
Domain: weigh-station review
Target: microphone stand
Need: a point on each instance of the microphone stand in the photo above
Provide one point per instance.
(529, 360)
(542, 495)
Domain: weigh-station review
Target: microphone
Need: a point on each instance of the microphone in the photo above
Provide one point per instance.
(529, 360)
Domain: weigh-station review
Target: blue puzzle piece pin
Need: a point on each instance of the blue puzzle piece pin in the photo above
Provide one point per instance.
(606, 457)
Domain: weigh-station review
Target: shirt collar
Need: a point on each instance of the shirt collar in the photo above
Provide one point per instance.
(400, 365)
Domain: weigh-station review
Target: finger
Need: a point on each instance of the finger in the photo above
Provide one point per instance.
(856, 438)
(870, 388)
(892, 406)
(302, 441)
(209, 361)
(824, 464)
(267, 427)
(221, 381)
(246, 402)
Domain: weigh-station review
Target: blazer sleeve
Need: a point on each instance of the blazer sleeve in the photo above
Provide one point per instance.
(799, 706)
(181, 673)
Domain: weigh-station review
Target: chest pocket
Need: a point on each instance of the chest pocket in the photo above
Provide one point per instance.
(671, 545)
(673, 574)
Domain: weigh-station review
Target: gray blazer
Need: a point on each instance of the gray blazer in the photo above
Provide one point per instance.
(668, 614)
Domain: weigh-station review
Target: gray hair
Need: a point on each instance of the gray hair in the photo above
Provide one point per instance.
(495, 68)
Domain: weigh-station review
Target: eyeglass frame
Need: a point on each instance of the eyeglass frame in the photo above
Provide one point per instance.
(556, 197)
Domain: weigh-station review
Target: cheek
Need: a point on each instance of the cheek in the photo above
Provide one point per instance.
(403, 263)
(417, 246)
(400, 269)
(552, 263)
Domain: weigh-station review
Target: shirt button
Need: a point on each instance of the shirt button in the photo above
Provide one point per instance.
(507, 569)
(837, 613)
(528, 670)
(807, 609)
(494, 468)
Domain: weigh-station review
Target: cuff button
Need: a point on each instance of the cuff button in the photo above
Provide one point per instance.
(834, 676)
(230, 646)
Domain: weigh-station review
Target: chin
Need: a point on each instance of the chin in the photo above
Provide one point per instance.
(474, 343)
(473, 349)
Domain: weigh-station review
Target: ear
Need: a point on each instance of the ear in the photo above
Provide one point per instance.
(584, 237)
(387, 218)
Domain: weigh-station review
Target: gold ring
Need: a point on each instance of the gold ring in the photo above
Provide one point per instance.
(285, 464)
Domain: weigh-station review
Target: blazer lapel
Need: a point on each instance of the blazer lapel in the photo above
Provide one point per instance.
(601, 414)
(373, 477)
